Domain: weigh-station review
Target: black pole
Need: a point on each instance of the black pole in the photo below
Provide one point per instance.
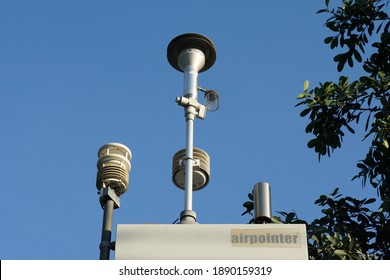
(112, 180)
(105, 245)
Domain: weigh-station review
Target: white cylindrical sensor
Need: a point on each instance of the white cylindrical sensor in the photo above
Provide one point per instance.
(114, 167)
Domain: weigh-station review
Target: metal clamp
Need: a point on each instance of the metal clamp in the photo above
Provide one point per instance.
(185, 102)
(106, 193)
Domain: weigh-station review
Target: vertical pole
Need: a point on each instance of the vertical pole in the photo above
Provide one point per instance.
(190, 91)
(191, 82)
(191, 61)
(188, 181)
(105, 245)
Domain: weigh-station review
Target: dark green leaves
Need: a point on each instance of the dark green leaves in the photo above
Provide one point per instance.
(312, 143)
(348, 229)
(353, 24)
(330, 108)
(328, 40)
(305, 112)
(248, 205)
(357, 55)
(333, 41)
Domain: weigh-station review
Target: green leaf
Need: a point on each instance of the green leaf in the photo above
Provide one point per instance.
(315, 239)
(357, 55)
(309, 127)
(369, 201)
(379, 27)
(290, 216)
(305, 112)
(343, 81)
(306, 85)
(248, 204)
(246, 212)
(371, 28)
(367, 68)
(350, 129)
(327, 40)
(321, 200)
(329, 102)
(312, 104)
(350, 61)
(385, 143)
(384, 103)
(352, 244)
(361, 166)
(338, 57)
(340, 66)
(387, 26)
(369, 116)
(335, 43)
(312, 143)
(322, 11)
(340, 253)
(335, 191)
(381, 75)
(301, 95)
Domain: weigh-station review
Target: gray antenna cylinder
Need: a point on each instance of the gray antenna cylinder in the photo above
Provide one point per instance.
(262, 203)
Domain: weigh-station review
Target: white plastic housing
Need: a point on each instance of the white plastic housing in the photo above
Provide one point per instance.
(114, 167)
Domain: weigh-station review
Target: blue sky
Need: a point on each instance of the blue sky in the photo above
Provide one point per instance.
(75, 75)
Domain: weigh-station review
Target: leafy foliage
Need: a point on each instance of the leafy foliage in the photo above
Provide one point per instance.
(348, 229)
(333, 107)
(353, 23)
